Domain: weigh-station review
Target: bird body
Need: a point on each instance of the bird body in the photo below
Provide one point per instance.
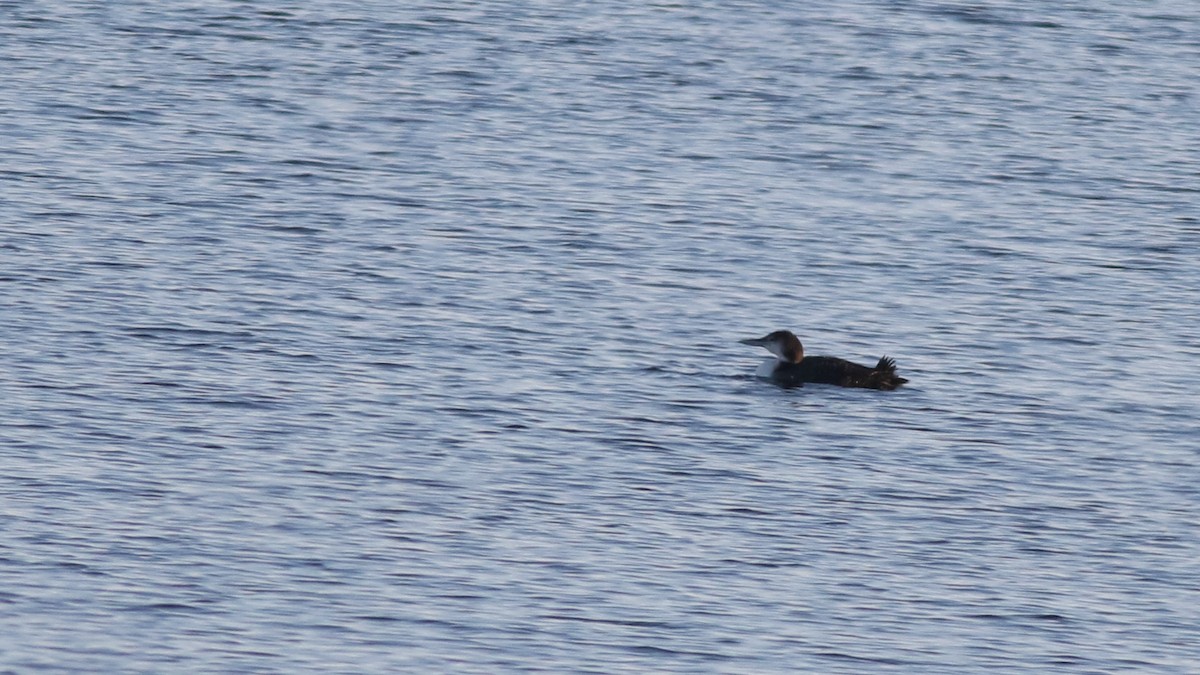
(791, 368)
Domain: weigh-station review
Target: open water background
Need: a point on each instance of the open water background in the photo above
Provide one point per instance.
(374, 336)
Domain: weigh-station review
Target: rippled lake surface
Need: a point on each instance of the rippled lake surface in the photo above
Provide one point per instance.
(367, 337)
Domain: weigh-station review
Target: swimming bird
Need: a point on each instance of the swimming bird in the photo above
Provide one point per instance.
(791, 368)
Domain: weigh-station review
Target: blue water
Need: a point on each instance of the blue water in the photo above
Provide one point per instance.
(378, 337)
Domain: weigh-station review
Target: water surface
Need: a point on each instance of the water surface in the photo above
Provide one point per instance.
(350, 337)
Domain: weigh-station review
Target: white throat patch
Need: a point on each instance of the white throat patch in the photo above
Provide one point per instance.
(776, 348)
(766, 368)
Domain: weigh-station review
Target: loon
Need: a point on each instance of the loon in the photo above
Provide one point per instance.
(791, 368)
